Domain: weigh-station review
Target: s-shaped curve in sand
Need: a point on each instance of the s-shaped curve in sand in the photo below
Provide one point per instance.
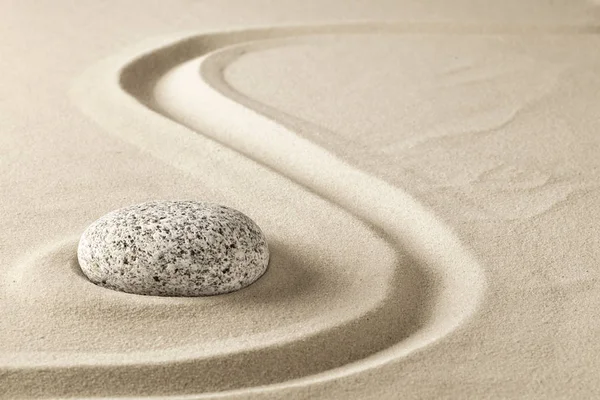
(168, 97)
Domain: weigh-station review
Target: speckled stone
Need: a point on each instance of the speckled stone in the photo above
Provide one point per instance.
(173, 248)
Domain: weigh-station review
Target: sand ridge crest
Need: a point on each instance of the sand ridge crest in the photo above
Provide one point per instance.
(431, 285)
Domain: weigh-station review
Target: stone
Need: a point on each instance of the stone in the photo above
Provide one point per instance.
(173, 248)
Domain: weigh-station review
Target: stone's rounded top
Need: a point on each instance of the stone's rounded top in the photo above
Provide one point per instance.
(173, 248)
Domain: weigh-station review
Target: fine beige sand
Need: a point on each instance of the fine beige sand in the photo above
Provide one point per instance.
(425, 173)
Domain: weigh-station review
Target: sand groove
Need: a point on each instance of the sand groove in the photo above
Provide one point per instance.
(333, 242)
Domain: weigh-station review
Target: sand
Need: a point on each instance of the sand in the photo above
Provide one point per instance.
(425, 174)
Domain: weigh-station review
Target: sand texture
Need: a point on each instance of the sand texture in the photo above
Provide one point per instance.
(425, 175)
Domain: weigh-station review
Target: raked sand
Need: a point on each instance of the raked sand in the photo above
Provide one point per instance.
(426, 180)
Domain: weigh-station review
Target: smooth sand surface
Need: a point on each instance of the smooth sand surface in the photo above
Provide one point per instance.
(426, 180)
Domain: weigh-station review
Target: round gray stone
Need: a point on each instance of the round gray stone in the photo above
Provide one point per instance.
(173, 248)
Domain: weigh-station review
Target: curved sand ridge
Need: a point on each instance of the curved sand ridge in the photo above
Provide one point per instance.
(361, 274)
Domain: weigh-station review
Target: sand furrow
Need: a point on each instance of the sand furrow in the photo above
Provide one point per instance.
(338, 234)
